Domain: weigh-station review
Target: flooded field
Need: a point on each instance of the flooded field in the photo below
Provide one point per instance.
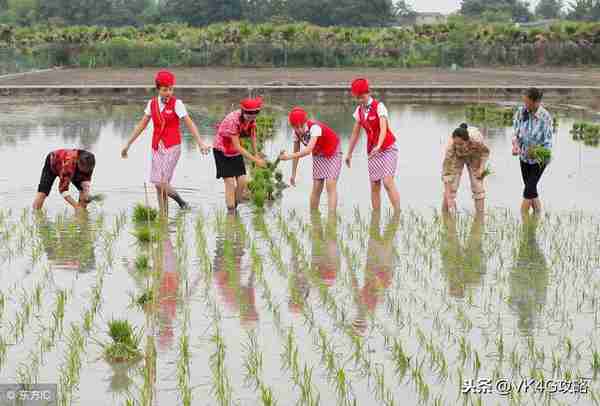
(278, 306)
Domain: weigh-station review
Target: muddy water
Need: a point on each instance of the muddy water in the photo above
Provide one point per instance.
(404, 308)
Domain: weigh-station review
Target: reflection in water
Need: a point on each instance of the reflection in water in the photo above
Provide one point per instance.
(326, 259)
(463, 266)
(238, 295)
(379, 270)
(167, 296)
(529, 277)
(299, 286)
(68, 241)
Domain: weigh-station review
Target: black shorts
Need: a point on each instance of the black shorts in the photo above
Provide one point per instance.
(48, 177)
(531, 173)
(229, 167)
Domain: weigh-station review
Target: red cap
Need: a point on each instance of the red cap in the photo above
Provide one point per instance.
(360, 86)
(251, 104)
(297, 117)
(164, 78)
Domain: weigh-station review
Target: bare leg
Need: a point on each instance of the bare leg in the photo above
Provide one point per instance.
(332, 197)
(241, 188)
(315, 196)
(537, 205)
(526, 206)
(392, 192)
(479, 206)
(163, 201)
(376, 195)
(230, 191)
(40, 198)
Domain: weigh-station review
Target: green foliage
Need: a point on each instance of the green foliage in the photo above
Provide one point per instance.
(540, 154)
(588, 133)
(142, 263)
(517, 9)
(144, 214)
(125, 342)
(549, 8)
(461, 41)
(147, 233)
(266, 184)
(490, 115)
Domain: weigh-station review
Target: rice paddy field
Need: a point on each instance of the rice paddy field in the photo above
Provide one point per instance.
(278, 306)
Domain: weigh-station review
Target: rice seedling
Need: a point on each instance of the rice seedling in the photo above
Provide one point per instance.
(183, 371)
(221, 388)
(70, 371)
(144, 214)
(540, 154)
(145, 300)
(142, 263)
(125, 342)
(266, 184)
(146, 234)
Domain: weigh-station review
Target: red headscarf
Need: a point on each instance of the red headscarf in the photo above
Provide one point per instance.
(359, 86)
(297, 117)
(164, 78)
(250, 104)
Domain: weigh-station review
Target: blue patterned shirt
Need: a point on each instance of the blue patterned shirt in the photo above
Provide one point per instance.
(532, 131)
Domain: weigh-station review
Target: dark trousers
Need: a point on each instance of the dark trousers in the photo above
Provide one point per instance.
(531, 176)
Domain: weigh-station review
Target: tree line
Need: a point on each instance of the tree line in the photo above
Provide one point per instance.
(372, 13)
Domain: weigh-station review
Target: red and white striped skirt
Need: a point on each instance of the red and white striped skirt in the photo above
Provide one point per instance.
(327, 167)
(383, 164)
(164, 161)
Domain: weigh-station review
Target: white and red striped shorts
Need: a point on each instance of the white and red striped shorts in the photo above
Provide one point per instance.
(383, 164)
(164, 161)
(327, 167)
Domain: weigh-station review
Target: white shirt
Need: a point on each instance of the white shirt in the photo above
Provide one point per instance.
(381, 110)
(180, 109)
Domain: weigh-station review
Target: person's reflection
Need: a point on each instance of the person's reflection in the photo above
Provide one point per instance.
(236, 294)
(299, 286)
(168, 290)
(68, 241)
(465, 266)
(378, 273)
(326, 259)
(529, 277)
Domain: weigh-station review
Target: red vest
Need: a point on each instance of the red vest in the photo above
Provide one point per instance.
(327, 143)
(166, 124)
(247, 129)
(370, 123)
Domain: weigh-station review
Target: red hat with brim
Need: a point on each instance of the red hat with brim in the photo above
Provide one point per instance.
(164, 78)
(359, 87)
(297, 117)
(249, 104)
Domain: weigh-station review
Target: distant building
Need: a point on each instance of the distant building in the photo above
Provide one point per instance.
(423, 18)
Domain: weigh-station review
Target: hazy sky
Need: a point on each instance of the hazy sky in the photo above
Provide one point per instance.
(444, 6)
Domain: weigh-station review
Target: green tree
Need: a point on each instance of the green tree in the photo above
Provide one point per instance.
(203, 12)
(517, 9)
(549, 8)
(585, 10)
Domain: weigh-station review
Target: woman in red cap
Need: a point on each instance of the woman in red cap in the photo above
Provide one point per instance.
(229, 152)
(165, 111)
(324, 145)
(372, 116)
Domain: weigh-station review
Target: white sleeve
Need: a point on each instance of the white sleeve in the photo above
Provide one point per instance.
(315, 131)
(180, 109)
(148, 110)
(355, 114)
(382, 110)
